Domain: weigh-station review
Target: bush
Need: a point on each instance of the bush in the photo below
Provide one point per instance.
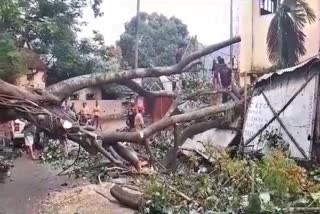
(281, 174)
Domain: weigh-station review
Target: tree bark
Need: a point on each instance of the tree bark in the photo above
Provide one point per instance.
(127, 199)
(138, 137)
(16, 102)
(189, 132)
(67, 87)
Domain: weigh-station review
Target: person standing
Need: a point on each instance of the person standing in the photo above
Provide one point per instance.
(84, 114)
(96, 116)
(131, 116)
(73, 112)
(138, 119)
(225, 76)
(29, 132)
(215, 75)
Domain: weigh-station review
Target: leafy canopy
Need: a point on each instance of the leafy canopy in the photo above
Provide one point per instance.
(50, 27)
(159, 37)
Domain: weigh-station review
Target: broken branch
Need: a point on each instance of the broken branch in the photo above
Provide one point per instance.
(138, 137)
(65, 88)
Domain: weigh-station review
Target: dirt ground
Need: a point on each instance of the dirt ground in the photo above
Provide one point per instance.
(87, 199)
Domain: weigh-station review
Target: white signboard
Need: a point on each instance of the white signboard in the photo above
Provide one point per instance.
(298, 116)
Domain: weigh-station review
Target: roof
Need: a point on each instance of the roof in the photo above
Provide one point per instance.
(33, 60)
(302, 65)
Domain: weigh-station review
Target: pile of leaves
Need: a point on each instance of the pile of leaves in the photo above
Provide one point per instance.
(272, 184)
(77, 162)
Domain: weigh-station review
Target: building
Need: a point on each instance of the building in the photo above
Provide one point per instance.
(287, 103)
(255, 18)
(93, 93)
(35, 76)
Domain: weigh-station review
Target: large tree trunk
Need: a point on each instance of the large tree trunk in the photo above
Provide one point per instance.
(43, 107)
(65, 88)
(140, 136)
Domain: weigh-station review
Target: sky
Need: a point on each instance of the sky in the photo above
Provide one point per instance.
(208, 19)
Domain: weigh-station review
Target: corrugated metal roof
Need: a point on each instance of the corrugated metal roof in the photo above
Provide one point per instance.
(291, 69)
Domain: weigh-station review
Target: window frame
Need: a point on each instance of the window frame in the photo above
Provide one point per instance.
(268, 7)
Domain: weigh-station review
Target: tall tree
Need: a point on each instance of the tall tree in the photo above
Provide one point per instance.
(51, 27)
(286, 39)
(159, 37)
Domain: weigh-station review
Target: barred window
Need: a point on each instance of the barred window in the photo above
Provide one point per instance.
(268, 6)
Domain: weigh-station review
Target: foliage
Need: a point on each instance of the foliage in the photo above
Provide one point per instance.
(159, 37)
(11, 61)
(273, 140)
(233, 185)
(285, 39)
(51, 28)
(84, 167)
(162, 142)
(53, 153)
(281, 174)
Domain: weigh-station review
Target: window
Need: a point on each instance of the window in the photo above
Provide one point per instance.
(268, 6)
(90, 97)
(74, 97)
(30, 77)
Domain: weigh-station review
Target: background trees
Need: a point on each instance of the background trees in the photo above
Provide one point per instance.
(159, 38)
(51, 27)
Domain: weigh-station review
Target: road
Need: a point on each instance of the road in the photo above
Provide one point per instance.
(30, 182)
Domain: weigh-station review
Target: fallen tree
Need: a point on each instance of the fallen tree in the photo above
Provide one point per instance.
(43, 107)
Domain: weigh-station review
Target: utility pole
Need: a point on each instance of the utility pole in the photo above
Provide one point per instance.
(231, 33)
(136, 54)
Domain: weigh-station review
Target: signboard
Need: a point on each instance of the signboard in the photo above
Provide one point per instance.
(298, 117)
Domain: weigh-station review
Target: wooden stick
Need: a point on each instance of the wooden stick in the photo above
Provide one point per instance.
(179, 193)
(284, 127)
(302, 209)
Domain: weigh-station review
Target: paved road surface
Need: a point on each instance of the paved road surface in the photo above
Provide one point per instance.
(29, 183)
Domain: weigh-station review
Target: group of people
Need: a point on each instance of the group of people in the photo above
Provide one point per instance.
(85, 116)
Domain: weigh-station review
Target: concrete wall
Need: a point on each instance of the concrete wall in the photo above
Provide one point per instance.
(38, 80)
(95, 91)
(254, 28)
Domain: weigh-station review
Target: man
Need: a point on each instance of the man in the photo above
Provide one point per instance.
(72, 112)
(84, 114)
(138, 119)
(215, 76)
(29, 132)
(224, 76)
(96, 116)
(131, 114)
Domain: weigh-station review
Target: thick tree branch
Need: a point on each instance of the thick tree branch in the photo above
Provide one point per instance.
(65, 88)
(139, 137)
(15, 92)
(141, 91)
(190, 131)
